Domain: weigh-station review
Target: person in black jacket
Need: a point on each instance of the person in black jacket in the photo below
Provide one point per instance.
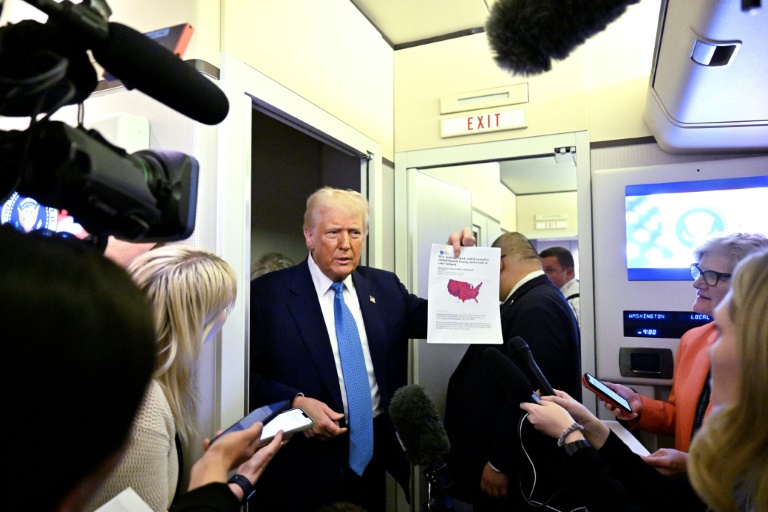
(80, 351)
(486, 455)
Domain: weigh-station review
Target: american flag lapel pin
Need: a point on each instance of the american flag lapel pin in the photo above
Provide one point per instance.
(373, 299)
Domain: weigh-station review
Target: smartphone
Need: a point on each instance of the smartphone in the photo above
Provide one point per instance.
(596, 386)
(290, 422)
(263, 414)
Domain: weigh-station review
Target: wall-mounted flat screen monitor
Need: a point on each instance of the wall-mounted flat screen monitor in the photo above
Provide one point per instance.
(666, 221)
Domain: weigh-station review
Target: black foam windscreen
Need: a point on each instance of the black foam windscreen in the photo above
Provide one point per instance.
(527, 35)
(418, 425)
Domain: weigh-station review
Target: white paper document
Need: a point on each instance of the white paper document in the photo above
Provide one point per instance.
(464, 295)
(126, 501)
(626, 436)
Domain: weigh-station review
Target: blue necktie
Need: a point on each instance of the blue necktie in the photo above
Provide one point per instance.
(360, 419)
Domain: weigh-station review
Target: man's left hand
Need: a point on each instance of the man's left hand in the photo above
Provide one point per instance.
(494, 483)
(464, 238)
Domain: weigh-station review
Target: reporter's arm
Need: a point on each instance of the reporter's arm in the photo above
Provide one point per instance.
(209, 475)
(595, 431)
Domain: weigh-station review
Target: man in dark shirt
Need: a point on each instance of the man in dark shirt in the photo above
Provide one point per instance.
(482, 423)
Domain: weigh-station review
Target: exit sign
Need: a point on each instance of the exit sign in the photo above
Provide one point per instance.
(484, 122)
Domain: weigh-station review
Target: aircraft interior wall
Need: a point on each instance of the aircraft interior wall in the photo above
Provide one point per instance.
(285, 164)
(653, 341)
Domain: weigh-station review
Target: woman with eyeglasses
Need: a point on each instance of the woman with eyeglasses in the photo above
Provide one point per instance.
(688, 402)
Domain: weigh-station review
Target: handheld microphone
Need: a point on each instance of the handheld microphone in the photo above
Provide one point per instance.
(521, 352)
(423, 436)
(526, 35)
(512, 379)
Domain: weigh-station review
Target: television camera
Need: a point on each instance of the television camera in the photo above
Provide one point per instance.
(149, 195)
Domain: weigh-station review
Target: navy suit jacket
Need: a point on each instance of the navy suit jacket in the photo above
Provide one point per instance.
(481, 419)
(290, 353)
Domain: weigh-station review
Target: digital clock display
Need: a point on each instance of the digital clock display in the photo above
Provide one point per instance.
(661, 324)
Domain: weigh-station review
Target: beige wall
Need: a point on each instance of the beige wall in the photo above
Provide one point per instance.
(424, 74)
(601, 86)
(619, 63)
(508, 209)
(560, 203)
(325, 51)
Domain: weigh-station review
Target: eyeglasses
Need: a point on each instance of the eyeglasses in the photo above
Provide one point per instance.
(710, 276)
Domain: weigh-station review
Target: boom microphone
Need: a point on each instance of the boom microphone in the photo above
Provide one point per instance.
(521, 352)
(418, 425)
(137, 60)
(526, 35)
(506, 373)
(141, 63)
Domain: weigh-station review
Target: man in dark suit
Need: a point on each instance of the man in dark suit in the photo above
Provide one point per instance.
(486, 460)
(296, 355)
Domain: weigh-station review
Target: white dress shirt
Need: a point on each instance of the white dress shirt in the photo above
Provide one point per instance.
(325, 296)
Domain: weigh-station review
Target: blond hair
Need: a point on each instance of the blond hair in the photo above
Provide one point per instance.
(729, 455)
(349, 201)
(188, 288)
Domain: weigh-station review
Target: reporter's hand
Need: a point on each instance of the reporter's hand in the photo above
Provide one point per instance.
(494, 483)
(595, 430)
(635, 403)
(669, 462)
(255, 466)
(326, 420)
(228, 452)
(548, 417)
(464, 238)
(576, 409)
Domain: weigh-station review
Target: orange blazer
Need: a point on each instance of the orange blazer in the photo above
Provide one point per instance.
(676, 416)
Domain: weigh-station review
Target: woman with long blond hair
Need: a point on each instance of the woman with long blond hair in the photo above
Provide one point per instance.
(729, 456)
(191, 291)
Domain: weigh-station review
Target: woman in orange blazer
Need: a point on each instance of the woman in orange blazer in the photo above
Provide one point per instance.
(688, 401)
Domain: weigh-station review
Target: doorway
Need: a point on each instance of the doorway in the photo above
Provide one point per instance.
(287, 165)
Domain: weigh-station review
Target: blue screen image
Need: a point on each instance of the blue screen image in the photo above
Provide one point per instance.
(667, 221)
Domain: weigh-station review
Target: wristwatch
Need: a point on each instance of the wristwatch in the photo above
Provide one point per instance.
(571, 448)
(245, 485)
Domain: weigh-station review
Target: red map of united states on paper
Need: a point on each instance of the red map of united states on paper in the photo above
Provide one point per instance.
(463, 291)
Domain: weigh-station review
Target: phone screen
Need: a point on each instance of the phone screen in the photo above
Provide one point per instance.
(263, 414)
(595, 383)
(290, 422)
